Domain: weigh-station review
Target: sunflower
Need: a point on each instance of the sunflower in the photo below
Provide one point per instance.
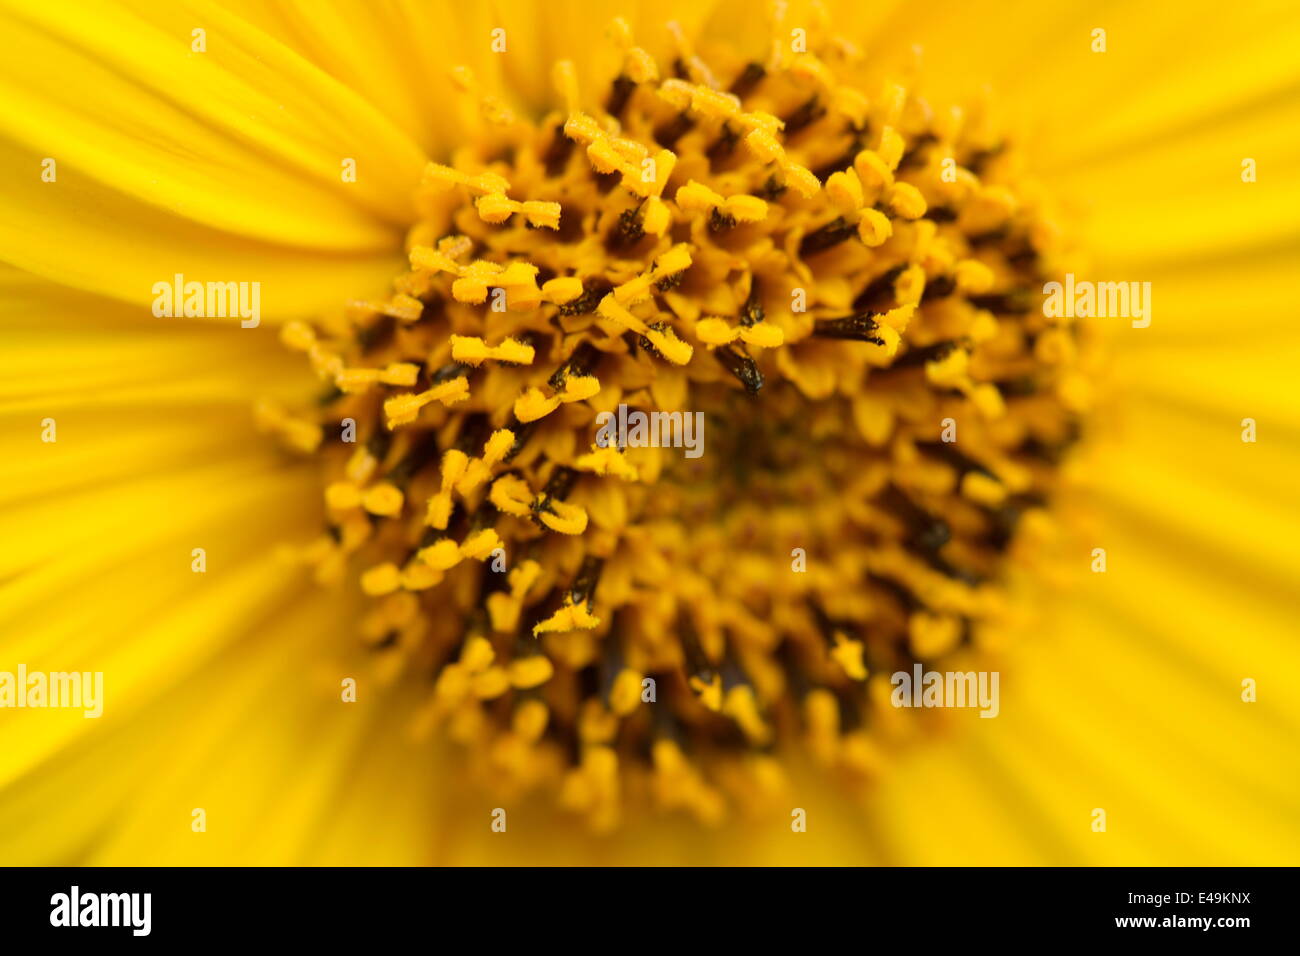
(368, 581)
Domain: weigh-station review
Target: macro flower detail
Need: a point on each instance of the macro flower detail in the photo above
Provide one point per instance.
(842, 282)
(659, 440)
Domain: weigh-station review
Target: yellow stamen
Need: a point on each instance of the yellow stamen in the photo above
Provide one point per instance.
(403, 409)
(570, 617)
(472, 350)
(606, 461)
(564, 517)
(535, 404)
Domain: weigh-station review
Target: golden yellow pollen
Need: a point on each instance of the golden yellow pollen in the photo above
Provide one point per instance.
(710, 401)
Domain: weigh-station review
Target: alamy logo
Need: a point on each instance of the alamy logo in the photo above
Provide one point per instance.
(103, 909)
(1103, 300)
(209, 300)
(638, 429)
(84, 689)
(946, 689)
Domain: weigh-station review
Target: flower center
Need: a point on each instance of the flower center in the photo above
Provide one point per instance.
(843, 285)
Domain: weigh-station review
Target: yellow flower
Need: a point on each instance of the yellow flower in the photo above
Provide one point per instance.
(154, 534)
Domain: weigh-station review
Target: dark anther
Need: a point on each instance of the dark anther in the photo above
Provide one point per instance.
(1020, 387)
(583, 589)
(1002, 526)
(376, 333)
(593, 290)
(534, 615)
(1051, 452)
(485, 517)
(1027, 255)
(723, 146)
(978, 160)
(948, 569)
(379, 443)
(940, 214)
(914, 357)
(1006, 517)
(742, 366)
(988, 238)
(532, 337)
(670, 282)
(557, 154)
(1018, 302)
(557, 488)
(906, 599)
(680, 125)
(605, 182)
(919, 522)
(619, 95)
(791, 657)
(772, 188)
(612, 660)
(934, 536)
(720, 221)
(851, 709)
(926, 533)
(431, 307)
(559, 484)
(522, 432)
(449, 371)
(938, 288)
(752, 312)
(825, 623)
(878, 294)
(859, 327)
(329, 395)
(588, 680)
(1054, 452)
(749, 78)
(913, 155)
(804, 116)
(697, 663)
(959, 461)
(474, 431)
(845, 161)
(628, 231)
(831, 234)
(582, 360)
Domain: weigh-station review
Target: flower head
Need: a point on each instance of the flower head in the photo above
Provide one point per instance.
(839, 284)
(780, 230)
